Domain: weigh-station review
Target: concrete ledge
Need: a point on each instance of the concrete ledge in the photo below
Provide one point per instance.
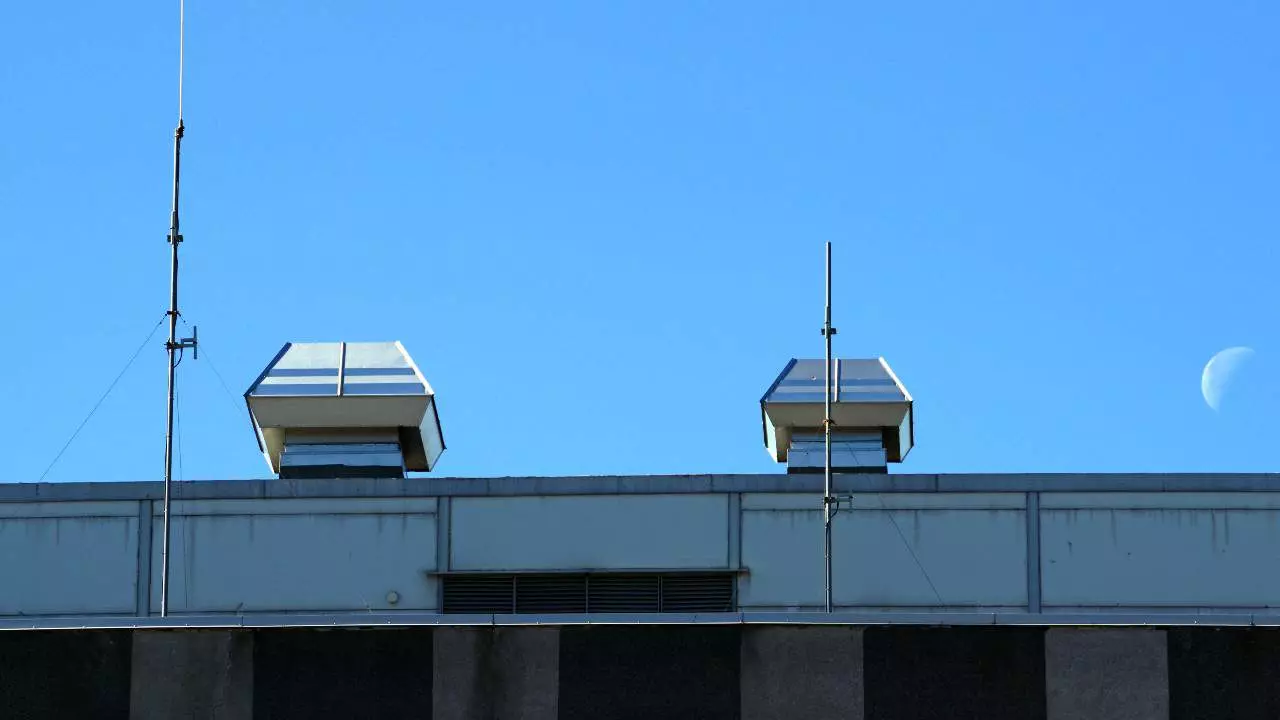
(640, 484)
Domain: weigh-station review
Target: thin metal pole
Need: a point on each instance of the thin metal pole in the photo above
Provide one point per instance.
(173, 346)
(827, 499)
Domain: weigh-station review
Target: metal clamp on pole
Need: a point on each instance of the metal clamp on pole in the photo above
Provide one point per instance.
(192, 342)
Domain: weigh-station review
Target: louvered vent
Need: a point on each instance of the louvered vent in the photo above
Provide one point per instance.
(589, 593)
(551, 593)
(697, 593)
(479, 593)
(625, 593)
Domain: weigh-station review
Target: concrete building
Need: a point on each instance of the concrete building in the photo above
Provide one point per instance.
(956, 596)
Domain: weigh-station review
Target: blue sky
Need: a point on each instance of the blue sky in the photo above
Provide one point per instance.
(598, 227)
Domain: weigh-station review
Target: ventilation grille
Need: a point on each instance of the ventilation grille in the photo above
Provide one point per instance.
(478, 593)
(625, 593)
(589, 593)
(551, 594)
(692, 593)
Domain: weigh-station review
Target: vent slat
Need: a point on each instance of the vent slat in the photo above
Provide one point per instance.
(697, 593)
(551, 594)
(624, 593)
(479, 594)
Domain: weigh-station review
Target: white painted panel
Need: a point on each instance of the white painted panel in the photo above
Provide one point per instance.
(782, 551)
(309, 355)
(588, 532)
(230, 563)
(375, 355)
(972, 557)
(1160, 557)
(70, 565)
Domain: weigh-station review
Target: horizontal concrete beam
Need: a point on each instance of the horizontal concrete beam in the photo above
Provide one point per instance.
(371, 620)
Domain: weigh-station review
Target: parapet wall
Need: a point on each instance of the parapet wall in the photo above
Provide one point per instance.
(1078, 549)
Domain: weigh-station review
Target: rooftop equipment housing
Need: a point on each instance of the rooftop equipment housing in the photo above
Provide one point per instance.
(871, 409)
(345, 410)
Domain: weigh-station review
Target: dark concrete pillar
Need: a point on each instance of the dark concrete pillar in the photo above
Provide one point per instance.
(1224, 673)
(192, 674)
(64, 674)
(797, 671)
(306, 673)
(927, 673)
(641, 672)
(1106, 674)
(504, 672)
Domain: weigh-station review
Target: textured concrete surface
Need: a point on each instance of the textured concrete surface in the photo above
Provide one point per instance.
(201, 674)
(1106, 674)
(802, 672)
(496, 673)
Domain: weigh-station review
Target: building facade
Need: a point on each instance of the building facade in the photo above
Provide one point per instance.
(1058, 596)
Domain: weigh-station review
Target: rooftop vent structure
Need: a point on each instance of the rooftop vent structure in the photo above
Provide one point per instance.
(345, 410)
(870, 407)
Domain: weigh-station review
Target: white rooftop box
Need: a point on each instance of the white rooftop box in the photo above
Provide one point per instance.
(867, 398)
(357, 398)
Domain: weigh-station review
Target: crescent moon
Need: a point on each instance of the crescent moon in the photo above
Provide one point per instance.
(1218, 373)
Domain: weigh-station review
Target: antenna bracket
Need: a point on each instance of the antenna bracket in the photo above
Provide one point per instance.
(192, 342)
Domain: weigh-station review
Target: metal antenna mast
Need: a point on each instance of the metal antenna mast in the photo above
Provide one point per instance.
(828, 500)
(174, 346)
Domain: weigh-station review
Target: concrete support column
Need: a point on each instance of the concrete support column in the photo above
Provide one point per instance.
(496, 672)
(1106, 674)
(798, 671)
(192, 674)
